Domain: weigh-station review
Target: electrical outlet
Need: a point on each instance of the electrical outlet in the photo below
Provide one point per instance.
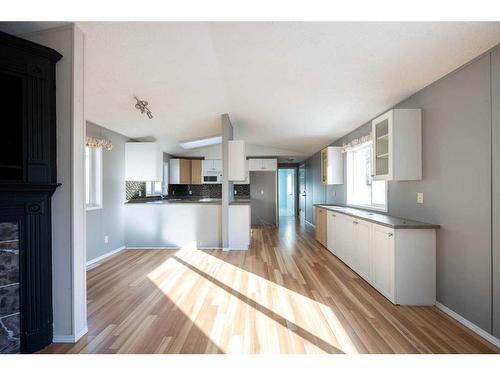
(106, 239)
(420, 198)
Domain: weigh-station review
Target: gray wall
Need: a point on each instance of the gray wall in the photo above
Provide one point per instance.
(263, 197)
(109, 220)
(457, 187)
(495, 90)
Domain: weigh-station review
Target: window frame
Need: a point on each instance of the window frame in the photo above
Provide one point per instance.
(372, 207)
(96, 179)
(152, 188)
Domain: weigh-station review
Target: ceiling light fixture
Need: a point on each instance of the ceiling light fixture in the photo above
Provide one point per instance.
(142, 106)
(201, 142)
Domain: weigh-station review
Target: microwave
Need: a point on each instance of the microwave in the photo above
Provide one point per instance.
(212, 178)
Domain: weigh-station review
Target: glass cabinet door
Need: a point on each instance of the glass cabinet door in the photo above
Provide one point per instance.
(381, 141)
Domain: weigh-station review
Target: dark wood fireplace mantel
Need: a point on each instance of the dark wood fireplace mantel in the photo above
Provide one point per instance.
(28, 178)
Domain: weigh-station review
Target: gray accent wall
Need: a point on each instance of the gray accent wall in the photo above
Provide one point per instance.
(495, 91)
(458, 176)
(109, 220)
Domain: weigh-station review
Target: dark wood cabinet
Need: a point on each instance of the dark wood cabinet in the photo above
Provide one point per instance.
(28, 178)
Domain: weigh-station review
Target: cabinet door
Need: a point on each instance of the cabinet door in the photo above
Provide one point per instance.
(185, 171)
(344, 232)
(196, 172)
(383, 261)
(324, 166)
(269, 164)
(174, 172)
(331, 236)
(217, 165)
(321, 225)
(382, 147)
(254, 164)
(362, 252)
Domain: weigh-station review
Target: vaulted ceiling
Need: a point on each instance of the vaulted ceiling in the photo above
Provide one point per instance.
(292, 86)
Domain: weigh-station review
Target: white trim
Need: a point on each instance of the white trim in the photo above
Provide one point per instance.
(104, 256)
(153, 248)
(92, 208)
(70, 339)
(311, 224)
(459, 318)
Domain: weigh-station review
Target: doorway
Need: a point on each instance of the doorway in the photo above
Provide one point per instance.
(287, 192)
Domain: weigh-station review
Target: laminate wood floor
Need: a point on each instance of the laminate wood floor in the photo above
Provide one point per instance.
(287, 294)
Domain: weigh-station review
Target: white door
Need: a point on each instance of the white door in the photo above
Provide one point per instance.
(363, 241)
(383, 261)
(331, 236)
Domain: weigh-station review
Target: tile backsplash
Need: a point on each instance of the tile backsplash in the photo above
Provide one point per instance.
(133, 188)
(206, 190)
(241, 190)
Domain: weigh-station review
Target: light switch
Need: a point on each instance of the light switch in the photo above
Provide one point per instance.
(262, 192)
(106, 239)
(420, 197)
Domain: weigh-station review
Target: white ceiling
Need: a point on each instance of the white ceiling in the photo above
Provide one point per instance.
(292, 86)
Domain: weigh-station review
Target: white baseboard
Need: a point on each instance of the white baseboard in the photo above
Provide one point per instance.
(70, 339)
(104, 256)
(153, 248)
(459, 318)
(311, 224)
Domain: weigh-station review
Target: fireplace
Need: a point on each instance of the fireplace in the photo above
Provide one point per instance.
(9, 288)
(27, 181)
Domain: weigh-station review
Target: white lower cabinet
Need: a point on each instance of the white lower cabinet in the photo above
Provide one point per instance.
(331, 237)
(362, 249)
(399, 263)
(383, 260)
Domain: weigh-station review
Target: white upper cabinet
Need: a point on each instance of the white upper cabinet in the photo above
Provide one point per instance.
(397, 145)
(262, 165)
(211, 165)
(237, 161)
(143, 161)
(332, 166)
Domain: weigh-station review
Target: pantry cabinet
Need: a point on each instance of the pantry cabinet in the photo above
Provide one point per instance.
(237, 170)
(397, 145)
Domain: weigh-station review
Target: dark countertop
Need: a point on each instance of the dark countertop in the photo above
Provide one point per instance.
(189, 200)
(240, 202)
(176, 200)
(379, 218)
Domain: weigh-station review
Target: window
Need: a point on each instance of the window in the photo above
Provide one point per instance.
(153, 188)
(93, 178)
(361, 189)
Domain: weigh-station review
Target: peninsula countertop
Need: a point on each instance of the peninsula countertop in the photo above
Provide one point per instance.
(379, 218)
(187, 200)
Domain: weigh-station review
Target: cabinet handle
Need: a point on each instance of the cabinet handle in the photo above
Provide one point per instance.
(390, 234)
